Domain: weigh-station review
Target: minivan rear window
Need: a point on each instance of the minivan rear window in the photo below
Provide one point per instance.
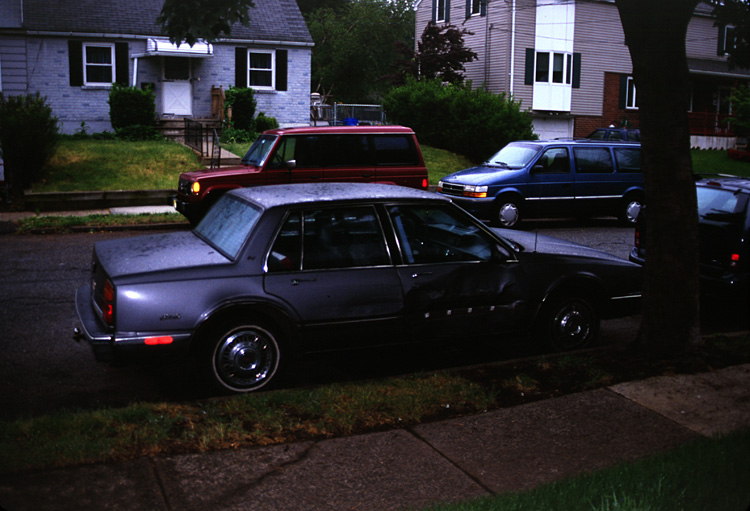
(628, 160)
(593, 160)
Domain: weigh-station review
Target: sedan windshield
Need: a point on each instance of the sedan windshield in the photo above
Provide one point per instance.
(258, 152)
(715, 201)
(227, 225)
(514, 155)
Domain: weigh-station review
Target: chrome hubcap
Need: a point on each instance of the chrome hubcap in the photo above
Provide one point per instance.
(246, 359)
(508, 214)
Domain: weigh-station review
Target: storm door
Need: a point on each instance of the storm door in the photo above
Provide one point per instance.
(177, 89)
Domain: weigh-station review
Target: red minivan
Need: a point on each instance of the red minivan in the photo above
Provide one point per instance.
(372, 154)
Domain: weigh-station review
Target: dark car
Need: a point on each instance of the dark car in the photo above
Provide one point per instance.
(615, 134)
(724, 238)
(551, 179)
(280, 271)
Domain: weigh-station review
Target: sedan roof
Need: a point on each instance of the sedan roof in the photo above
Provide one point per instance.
(302, 193)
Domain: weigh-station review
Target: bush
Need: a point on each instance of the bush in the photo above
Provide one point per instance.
(137, 132)
(28, 137)
(474, 123)
(233, 135)
(129, 106)
(239, 108)
(263, 123)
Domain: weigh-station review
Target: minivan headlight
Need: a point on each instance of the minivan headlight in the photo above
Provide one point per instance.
(476, 192)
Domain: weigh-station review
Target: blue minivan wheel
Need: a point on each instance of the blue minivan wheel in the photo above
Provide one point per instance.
(507, 212)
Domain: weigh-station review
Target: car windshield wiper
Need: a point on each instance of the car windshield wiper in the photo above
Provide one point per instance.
(498, 164)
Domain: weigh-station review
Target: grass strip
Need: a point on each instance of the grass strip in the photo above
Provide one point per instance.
(711, 473)
(53, 224)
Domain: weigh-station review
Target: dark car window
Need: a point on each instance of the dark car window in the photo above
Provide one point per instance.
(628, 160)
(343, 150)
(593, 160)
(554, 161)
(438, 234)
(394, 150)
(329, 238)
(227, 224)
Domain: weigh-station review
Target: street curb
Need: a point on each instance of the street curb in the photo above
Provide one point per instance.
(62, 201)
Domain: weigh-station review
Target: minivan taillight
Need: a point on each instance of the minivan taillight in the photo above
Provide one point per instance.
(108, 304)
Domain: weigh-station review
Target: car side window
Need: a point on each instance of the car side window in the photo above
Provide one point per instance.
(628, 160)
(286, 253)
(394, 150)
(434, 234)
(342, 238)
(593, 160)
(554, 161)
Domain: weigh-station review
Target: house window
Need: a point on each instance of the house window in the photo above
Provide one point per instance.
(441, 10)
(98, 64)
(553, 67)
(631, 101)
(261, 66)
(474, 7)
(727, 39)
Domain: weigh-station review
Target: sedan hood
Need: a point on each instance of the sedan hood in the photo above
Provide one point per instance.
(159, 252)
(532, 242)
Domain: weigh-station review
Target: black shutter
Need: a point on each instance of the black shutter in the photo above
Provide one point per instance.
(528, 78)
(434, 11)
(281, 69)
(622, 100)
(468, 8)
(483, 7)
(721, 41)
(576, 70)
(447, 11)
(75, 63)
(122, 63)
(240, 68)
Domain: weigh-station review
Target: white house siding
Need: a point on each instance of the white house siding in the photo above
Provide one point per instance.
(601, 42)
(12, 65)
(702, 37)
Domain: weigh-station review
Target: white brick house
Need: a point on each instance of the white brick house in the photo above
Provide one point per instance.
(71, 51)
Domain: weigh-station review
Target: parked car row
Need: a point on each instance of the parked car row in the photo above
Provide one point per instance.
(281, 271)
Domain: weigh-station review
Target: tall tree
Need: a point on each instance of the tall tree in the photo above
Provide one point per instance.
(655, 32)
(354, 47)
(440, 53)
(190, 20)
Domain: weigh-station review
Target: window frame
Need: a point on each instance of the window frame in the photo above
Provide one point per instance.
(112, 64)
(445, 4)
(271, 70)
(631, 95)
(565, 74)
(728, 38)
(474, 7)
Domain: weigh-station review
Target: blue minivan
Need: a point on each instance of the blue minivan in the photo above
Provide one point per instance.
(553, 178)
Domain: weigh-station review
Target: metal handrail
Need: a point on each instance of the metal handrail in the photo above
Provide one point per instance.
(204, 140)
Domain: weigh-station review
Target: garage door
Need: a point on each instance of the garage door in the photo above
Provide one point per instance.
(549, 128)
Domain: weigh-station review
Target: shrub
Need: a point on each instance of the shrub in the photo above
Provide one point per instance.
(137, 132)
(233, 135)
(474, 123)
(263, 123)
(239, 108)
(129, 106)
(28, 137)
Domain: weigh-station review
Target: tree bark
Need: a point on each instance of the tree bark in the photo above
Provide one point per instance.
(655, 32)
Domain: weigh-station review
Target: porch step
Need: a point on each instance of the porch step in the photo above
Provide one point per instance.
(173, 128)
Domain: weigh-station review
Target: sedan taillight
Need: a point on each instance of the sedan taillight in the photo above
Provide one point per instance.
(108, 304)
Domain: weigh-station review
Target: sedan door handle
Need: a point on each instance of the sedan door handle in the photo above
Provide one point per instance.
(417, 275)
(295, 282)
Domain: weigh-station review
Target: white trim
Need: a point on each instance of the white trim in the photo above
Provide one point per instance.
(272, 69)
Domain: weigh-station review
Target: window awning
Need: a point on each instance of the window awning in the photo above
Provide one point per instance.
(164, 48)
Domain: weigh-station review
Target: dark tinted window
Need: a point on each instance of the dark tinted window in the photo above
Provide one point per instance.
(343, 150)
(554, 161)
(628, 160)
(593, 160)
(394, 150)
(286, 254)
(343, 238)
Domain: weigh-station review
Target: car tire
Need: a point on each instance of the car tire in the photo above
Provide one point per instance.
(507, 212)
(243, 357)
(630, 208)
(569, 323)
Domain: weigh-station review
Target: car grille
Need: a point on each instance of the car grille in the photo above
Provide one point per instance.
(184, 186)
(453, 189)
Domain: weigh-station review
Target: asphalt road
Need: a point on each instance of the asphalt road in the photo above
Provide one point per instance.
(43, 369)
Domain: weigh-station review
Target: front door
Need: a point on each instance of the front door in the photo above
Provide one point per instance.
(177, 90)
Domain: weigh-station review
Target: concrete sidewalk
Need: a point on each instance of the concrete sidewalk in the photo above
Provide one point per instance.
(504, 450)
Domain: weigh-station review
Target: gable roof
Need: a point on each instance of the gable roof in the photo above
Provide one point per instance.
(270, 20)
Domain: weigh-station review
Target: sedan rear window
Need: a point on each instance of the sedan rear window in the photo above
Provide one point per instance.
(227, 225)
(715, 201)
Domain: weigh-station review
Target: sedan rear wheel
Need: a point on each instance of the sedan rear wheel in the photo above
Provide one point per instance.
(570, 323)
(244, 358)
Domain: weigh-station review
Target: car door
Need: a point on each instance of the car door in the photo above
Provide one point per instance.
(551, 185)
(295, 159)
(598, 188)
(457, 278)
(332, 267)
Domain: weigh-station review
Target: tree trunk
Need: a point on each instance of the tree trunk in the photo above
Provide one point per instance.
(655, 32)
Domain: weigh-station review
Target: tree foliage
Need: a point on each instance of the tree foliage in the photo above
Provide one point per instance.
(475, 123)
(441, 53)
(355, 47)
(191, 20)
(28, 138)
